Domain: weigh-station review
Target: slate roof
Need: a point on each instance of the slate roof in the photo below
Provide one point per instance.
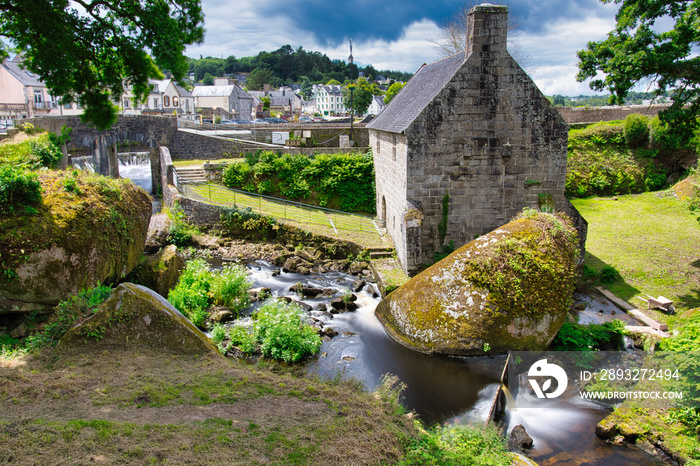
(23, 76)
(420, 90)
(213, 91)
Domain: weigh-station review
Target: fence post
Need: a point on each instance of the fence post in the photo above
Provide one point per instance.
(209, 186)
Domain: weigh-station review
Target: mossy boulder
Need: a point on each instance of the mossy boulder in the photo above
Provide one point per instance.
(507, 290)
(137, 317)
(87, 230)
(159, 272)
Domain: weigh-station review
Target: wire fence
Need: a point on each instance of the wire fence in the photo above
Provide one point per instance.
(279, 209)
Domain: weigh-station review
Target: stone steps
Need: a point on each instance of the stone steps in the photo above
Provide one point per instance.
(192, 174)
(380, 253)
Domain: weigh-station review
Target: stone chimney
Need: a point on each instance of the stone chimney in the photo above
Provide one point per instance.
(487, 29)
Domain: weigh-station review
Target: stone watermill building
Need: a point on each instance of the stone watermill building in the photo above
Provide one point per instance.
(472, 133)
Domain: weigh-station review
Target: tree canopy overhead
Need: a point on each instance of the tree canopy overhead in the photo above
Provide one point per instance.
(654, 41)
(87, 50)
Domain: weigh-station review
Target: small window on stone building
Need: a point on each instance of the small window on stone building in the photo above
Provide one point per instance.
(393, 139)
(175, 102)
(393, 153)
(378, 147)
(166, 101)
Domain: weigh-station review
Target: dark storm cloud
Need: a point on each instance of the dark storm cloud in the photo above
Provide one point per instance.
(332, 22)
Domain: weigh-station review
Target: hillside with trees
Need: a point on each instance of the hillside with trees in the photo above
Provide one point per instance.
(285, 66)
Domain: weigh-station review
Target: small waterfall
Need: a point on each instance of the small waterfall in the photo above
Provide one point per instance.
(135, 166)
(83, 163)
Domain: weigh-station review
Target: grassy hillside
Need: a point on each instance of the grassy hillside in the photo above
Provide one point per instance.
(610, 158)
(652, 239)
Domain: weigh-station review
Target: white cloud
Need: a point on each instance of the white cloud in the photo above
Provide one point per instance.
(407, 53)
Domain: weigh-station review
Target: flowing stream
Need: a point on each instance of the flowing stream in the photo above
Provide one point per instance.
(438, 389)
(441, 389)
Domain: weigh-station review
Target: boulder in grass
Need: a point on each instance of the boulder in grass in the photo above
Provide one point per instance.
(135, 317)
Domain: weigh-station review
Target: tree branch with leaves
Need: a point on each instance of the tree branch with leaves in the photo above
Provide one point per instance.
(88, 50)
(653, 41)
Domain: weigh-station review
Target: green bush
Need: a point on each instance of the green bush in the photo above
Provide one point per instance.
(282, 334)
(450, 445)
(199, 288)
(230, 287)
(279, 333)
(636, 130)
(609, 274)
(46, 153)
(577, 337)
(339, 181)
(67, 314)
(662, 137)
(18, 188)
(181, 230)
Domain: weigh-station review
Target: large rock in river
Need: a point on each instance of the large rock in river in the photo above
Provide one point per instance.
(507, 290)
(160, 271)
(87, 230)
(137, 317)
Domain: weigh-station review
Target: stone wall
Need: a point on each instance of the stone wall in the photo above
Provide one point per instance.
(574, 115)
(151, 131)
(489, 140)
(191, 146)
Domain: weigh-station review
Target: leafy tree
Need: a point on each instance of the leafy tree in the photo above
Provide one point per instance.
(86, 50)
(333, 82)
(362, 96)
(208, 80)
(652, 41)
(266, 103)
(392, 91)
(306, 88)
(259, 77)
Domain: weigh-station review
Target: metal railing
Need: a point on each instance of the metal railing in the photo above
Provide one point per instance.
(279, 209)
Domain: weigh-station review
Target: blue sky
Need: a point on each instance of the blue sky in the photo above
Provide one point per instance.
(396, 34)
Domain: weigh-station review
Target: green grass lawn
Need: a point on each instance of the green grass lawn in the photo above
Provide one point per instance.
(350, 227)
(652, 240)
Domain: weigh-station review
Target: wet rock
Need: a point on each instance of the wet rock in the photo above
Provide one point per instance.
(357, 285)
(356, 268)
(221, 316)
(290, 265)
(309, 254)
(159, 272)
(303, 270)
(329, 332)
(519, 439)
(306, 290)
(499, 289)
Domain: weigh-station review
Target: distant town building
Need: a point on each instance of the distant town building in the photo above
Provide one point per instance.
(228, 102)
(24, 95)
(329, 100)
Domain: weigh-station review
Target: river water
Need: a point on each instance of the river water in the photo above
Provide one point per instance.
(438, 389)
(441, 389)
